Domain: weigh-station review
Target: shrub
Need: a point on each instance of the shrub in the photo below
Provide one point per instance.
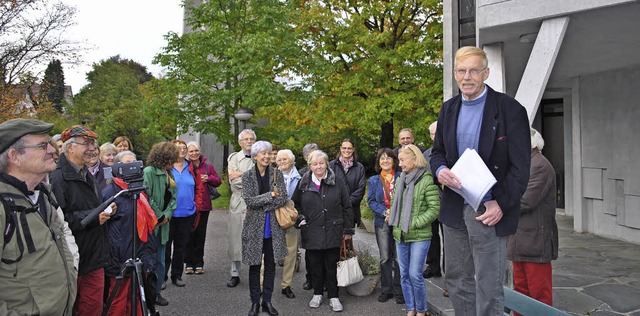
(369, 264)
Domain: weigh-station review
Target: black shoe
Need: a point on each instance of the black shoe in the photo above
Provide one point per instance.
(281, 262)
(255, 310)
(384, 297)
(161, 300)
(428, 273)
(178, 282)
(399, 299)
(267, 307)
(307, 285)
(288, 293)
(233, 282)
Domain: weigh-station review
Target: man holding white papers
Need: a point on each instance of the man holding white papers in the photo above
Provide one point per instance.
(496, 126)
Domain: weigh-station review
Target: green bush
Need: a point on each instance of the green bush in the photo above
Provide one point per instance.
(365, 211)
(369, 264)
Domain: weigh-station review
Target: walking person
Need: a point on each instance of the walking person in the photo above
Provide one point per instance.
(415, 206)
(238, 163)
(497, 127)
(194, 258)
(161, 191)
(189, 189)
(286, 163)
(381, 192)
(324, 201)
(261, 233)
(535, 243)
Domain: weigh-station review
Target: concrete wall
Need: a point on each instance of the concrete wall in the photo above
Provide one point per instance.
(610, 145)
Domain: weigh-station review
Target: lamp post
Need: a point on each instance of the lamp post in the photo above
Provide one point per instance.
(243, 115)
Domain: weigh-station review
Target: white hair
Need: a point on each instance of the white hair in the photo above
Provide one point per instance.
(536, 140)
(121, 155)
(288, 153)
(194, 144)
(246, 131)
(260, 146)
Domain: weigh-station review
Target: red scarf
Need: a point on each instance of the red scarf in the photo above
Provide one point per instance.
(388, 185)
(146, 220)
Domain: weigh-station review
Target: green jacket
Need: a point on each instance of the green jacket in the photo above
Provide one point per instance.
(425, 209)
(156, 182)
(43, 281)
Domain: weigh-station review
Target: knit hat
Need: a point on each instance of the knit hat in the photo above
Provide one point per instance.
(78, 131)
(12, 130)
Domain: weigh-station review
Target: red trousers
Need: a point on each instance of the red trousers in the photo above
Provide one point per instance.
(90, 294)
(534, 280)
(121, 304)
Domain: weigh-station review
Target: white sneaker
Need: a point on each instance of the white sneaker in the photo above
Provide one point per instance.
(335, 304)
(315, 301)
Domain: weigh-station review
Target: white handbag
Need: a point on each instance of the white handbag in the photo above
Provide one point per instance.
(349, 271)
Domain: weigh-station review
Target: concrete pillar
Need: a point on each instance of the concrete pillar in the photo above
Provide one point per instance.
(576, 156)
(538, 69)
(496, 78)
(450, 46)
(568, 155)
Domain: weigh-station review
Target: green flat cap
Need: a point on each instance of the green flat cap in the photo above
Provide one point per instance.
(12, 130)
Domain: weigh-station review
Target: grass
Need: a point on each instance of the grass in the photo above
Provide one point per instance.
(225, 196)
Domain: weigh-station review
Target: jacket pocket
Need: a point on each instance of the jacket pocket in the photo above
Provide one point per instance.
(530, 242)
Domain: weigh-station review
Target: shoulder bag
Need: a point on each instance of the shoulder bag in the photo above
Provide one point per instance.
(286, 214)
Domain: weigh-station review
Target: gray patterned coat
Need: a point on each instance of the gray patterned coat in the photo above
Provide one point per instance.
(257, 205)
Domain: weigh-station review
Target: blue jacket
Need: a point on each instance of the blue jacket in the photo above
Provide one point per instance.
(375, 199)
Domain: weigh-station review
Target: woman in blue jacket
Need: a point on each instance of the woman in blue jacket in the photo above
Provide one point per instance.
(380, 196)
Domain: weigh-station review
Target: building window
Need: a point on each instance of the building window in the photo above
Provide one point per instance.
(466, 23)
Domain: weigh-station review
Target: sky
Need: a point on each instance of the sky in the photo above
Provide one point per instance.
(133, 29)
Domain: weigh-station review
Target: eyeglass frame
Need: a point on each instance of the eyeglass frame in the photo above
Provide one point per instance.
(473, 72)
(42, 146)
(94, 143)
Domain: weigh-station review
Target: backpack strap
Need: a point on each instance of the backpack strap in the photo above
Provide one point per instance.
(11, 227)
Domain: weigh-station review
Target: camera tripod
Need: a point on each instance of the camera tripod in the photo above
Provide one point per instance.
(133, 265)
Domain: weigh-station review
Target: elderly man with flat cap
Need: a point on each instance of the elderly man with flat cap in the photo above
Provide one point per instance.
(37, 274)
(78, 194)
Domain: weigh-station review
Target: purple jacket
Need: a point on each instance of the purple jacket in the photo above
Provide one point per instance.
(214, 180)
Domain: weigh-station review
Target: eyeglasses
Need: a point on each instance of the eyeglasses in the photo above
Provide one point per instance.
(347, 148)
(385, 158)
(473, 72)
(42, 146)
(248, 139)
(88, 143)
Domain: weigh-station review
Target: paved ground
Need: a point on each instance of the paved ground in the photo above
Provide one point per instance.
(592, 276)
(208, 294)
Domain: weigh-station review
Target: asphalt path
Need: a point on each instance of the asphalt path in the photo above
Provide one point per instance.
(207, 294)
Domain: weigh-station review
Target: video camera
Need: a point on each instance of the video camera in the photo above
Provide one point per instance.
(130, 172)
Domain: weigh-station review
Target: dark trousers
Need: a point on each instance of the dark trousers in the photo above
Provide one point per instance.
(195, 246)
(434, 254)
(179, 231)
(269, 275)
(323, 268)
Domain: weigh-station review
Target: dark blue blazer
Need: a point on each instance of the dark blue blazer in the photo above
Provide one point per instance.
(504, 146)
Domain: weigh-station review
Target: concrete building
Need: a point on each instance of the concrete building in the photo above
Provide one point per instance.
(574, 65)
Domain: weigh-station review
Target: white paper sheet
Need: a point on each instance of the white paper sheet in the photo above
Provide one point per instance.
(476, 179)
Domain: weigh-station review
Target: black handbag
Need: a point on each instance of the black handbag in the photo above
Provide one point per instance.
(213, 191)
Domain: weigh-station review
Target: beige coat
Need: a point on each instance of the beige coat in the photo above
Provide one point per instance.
(237, 208)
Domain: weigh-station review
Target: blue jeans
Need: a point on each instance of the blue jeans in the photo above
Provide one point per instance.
(390, 273)
(160, 264)
(411, 257)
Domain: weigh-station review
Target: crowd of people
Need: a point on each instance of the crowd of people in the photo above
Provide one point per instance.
(70, 236)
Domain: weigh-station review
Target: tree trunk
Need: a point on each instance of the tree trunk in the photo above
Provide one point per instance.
(386, 134)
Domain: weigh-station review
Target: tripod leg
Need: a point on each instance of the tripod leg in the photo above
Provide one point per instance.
(112, 296)
(140, 283)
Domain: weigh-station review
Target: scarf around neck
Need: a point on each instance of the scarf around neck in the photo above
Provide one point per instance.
(403, 201)
(346, 164)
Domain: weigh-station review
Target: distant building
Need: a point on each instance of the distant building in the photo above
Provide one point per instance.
(29, 97)
(575, 66)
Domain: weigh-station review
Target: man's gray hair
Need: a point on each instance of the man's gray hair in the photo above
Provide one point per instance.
(321, 154)
(406, 129)
(536, 140)
(4, 156)
(246, 131)
(121, 155)
(194, 144)
(260, 146)
(287, 152)
(68, 141)
(309, 148)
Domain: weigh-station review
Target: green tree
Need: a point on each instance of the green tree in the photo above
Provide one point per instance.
(114, 103)
(232, 57)
(52, 87)
(370, 67)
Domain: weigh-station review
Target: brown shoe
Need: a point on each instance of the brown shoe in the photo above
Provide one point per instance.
(188, 270)
(445, 293)
(199, 270)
